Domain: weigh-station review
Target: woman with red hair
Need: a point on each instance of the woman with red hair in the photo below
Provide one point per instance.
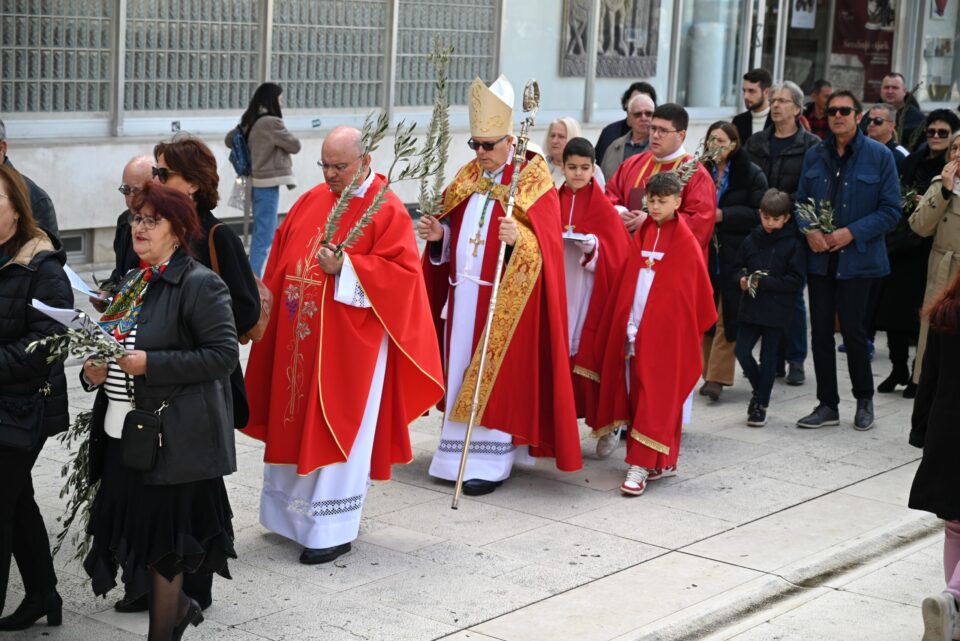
(936, 416)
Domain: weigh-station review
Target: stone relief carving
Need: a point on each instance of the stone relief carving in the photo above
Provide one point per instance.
(627, 46)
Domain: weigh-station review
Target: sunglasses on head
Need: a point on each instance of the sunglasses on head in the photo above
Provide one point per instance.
(876, 121)
(843, 111)
(487, 146)
(163, 174)
(932, 132)
(126, 189)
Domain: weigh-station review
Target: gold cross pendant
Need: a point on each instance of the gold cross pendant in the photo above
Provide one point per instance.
(570, 228)
(476, 241)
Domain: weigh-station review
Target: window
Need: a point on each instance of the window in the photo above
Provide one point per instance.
(939, 64)
(55, 56)
(471, 26)
(330, 53)
(709, 70)
(185, 55)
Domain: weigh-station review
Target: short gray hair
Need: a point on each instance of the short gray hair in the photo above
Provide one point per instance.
(890, 109)
(796, 93)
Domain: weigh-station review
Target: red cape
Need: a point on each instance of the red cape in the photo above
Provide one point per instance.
(527, 381)
(698, 203)
(593, 214)
(667, 361)
(309, 377)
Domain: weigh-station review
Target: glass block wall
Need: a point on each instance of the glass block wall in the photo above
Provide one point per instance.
(189, 55)
(55, 56)
(471, 26)
(330, 53)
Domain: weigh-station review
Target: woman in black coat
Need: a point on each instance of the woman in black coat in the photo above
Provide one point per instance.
(740, 187)
(936, 415)
(31, 266)
(175, 320)
(901, 294)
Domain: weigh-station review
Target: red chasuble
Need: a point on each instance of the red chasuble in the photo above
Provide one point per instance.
(667, 362)
(698, 202)
(309, 377)
(526, 389)
(593, 214)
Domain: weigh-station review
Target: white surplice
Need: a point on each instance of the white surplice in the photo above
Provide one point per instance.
(579, 272)
(322, 509)
(492, 452)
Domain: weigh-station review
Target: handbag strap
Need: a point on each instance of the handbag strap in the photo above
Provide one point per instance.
(214, 263)
(133, 400)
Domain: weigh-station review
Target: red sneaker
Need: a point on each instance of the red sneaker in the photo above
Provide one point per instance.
(636, 481)
(662, 472)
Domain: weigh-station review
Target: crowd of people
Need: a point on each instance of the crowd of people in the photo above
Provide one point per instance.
(635, 271)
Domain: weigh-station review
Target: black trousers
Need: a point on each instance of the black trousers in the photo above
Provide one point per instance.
(22, 532)
(761, 374)
(850, 301)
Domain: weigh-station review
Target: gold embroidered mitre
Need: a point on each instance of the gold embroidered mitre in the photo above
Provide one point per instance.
(491, 109)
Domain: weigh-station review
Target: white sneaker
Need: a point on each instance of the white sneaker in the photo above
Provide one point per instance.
(608, 443)
(939, 617)
(636, 481)
(662, 472)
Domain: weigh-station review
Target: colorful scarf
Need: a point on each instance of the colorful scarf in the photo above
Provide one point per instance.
(124, 312)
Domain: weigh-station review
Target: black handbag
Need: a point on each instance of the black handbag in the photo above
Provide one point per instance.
(21, 419)
(142, 436)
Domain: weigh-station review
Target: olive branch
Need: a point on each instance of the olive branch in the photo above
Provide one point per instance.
(438, 132)
(753, 281)
(815, 216)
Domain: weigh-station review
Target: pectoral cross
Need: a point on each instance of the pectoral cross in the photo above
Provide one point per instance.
(476, 241)
(570, 228)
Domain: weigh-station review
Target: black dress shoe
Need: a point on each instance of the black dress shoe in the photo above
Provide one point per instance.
(910, 391)
(314, 556)
(33, 608)
(194, 617)
(890, 383)
(131, 603)
(479, 487)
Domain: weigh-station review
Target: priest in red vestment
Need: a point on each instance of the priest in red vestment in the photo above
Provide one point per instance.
(526, 406)
(348, 361)
(655, 318)
(625, 189)
(595, 244)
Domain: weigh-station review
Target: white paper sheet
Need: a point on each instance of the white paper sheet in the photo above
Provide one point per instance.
(72, 318)
(78, 284)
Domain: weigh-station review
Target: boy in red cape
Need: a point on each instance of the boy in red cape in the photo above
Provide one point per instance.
(595, 244)
(656, 317)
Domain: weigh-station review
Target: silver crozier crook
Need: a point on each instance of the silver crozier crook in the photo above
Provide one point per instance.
(531, 104)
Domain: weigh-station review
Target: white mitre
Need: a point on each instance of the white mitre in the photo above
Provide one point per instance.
(491, 109)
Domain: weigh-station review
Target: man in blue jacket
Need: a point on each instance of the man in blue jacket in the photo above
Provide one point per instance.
(858, 177)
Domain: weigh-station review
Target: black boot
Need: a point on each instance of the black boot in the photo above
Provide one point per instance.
(33, 608)
(897, 377)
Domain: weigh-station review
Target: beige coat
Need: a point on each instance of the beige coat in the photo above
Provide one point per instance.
(940, 218)
(270, 147)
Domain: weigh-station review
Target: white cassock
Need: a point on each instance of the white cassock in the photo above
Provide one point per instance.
(322, 509)
(492, 452)
(640, 296)
(579, 272)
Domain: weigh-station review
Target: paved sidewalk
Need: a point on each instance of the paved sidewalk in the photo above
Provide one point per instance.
(753, 514)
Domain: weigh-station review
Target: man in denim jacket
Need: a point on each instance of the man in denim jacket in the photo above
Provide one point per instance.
(858, 177)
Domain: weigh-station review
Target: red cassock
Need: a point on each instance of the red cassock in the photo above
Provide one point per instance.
(698, 201)
(526, 388)
(309, 377)
(667, 361)
(593, 214)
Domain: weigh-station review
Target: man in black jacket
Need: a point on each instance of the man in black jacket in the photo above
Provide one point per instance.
(40, 203)
(909, 117)
(756, 94)
(621, 127)
(779, 150)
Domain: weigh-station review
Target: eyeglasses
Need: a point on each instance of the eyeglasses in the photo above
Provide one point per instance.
(843, 111)
(876, 121)
(487, 146)
(163, 174)
(938, 133)
(660, 131)
(148, 221)
(641, 114)
(339, 167)
(126, 189)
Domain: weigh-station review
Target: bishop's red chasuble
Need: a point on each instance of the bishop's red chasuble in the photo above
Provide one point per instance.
(698, 201)
(526, 389)
(589, 212)
(309, 377)
(666, 362)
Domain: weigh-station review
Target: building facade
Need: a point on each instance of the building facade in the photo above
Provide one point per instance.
(87, 84)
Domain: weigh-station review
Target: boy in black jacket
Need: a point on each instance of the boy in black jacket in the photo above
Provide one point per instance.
(770, 269)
